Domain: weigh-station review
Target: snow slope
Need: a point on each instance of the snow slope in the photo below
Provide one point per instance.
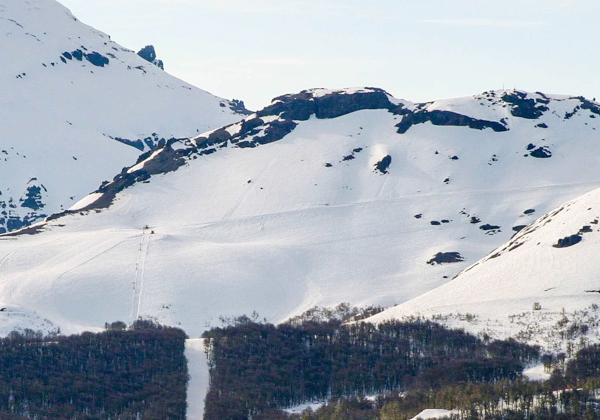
(199, 377)
(297, 208)
(68, 92)
(552, 263)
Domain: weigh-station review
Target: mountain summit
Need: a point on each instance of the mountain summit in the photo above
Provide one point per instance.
(76, 107)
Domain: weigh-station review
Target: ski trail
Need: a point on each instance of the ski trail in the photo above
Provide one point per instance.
(231, 212)
(5, 259)
(138, 282)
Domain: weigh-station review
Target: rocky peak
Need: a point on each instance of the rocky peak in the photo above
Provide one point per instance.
(148, 53)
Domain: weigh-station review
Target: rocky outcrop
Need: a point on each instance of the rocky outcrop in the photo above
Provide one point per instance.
(541, 153)
(437, 117)
(524, 107)
(589, 105)
(94, 57)
(148, 53)
(238, 107)
(446, 258)
(384, 164)
(568, 241)
(302, 105)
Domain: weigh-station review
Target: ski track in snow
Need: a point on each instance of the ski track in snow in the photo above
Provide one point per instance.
(5, 259)
(138, 283)
(254, 183)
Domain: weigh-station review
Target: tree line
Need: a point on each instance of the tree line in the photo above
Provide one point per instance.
(121, 373)
(256, 367)
(572, 392)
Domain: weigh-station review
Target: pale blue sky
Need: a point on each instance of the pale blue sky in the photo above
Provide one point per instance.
(419, 50)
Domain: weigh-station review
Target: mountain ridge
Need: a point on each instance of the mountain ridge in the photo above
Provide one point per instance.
(341, 209)
(77, 107)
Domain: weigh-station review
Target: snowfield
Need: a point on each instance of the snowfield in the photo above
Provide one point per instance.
(306, 220)
(76, 108)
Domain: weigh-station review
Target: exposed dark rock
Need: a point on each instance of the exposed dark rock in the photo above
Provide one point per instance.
(516, 246)
(530, 146)
(568, 241)
(541, 153)
(33, 198)
(445, 221)
(328, 165)
(444, 118)
(148, 53)
(447, 180)
(585, 229)
(384, 164)
(220, 136)
(542, 125)
(302, 105)
(475, 220)
(446, 258)
(138, 144)
(418, 216)
(168, 160)
(489, 227)
(523, 107)
(519, 228)
(78, 55)
(14, 223)
(569, 115)
(239, 107)
(276, 131)
(529, 211)
(347, 158)
(435, 223)
(357, 150)
(273, 131)
(589, 105)
(97, 59)
(454, 158)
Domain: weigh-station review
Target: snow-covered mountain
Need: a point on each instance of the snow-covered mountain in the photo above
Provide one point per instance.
(76, 107)
(323, 197)
(543, 285)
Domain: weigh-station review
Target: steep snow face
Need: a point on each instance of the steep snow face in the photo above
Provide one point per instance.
(76, 107)
(543, 282)
(315, 200)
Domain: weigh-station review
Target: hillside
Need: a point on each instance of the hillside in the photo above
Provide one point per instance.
(541, 286)
(322, 197)
(76, 107)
